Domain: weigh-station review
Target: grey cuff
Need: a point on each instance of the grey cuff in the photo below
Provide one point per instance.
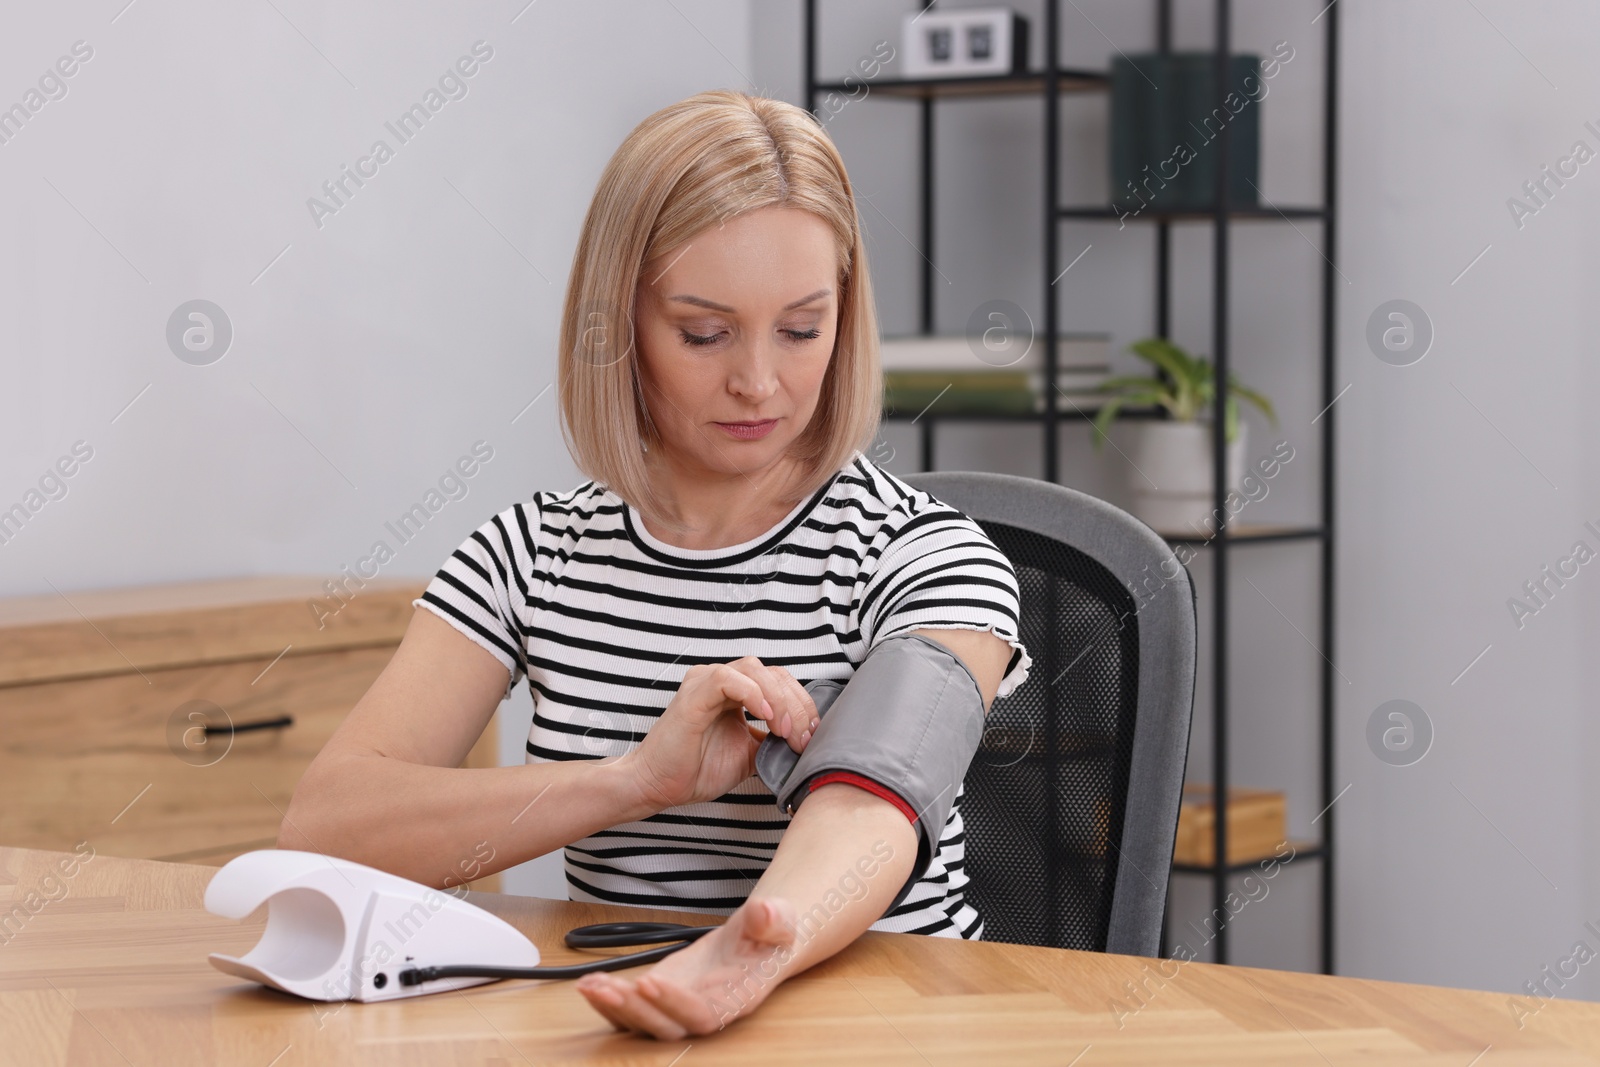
(910, 719)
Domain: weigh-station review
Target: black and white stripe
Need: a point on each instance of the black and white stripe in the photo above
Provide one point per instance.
(572, 592)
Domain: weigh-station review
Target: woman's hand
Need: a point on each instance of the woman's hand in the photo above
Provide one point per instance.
(708, 983)
(702, 746)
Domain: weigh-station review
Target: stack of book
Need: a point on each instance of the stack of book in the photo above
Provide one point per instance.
(945, 372)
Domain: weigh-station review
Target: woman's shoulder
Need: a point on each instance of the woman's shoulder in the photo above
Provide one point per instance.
(546, 518)
(900, 503)
(578, 507)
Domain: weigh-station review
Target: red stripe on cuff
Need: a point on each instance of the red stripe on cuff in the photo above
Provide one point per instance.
(865, 783)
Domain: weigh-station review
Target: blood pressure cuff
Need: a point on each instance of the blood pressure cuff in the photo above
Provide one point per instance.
(909, 719)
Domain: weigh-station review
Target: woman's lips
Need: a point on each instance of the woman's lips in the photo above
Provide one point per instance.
(749, 431)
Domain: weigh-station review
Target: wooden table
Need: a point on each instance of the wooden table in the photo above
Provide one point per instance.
(114, 971)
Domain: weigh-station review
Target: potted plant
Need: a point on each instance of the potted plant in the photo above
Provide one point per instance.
(1172, 458)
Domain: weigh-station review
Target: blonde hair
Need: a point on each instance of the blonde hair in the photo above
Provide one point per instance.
(688, 167)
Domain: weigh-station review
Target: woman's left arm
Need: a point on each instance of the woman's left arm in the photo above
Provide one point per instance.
(842, 859)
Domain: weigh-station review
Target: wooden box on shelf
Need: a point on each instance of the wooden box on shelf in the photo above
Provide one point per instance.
(105, 700)
(1256, 825)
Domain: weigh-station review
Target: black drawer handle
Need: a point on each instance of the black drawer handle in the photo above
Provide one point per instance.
(244, 727)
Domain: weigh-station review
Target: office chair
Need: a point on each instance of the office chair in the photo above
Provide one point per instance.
(1071, 802)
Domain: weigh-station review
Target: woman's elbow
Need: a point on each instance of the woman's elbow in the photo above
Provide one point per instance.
(304, 827)
(291, 838)
(291, 831)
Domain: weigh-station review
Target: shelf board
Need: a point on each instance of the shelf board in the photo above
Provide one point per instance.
(1064, 414)
(1239, 214)
(1253, 533)
(1069, 81)
(1303, 850)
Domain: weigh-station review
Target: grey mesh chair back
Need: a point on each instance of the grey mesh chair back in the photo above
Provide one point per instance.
(1071, 803)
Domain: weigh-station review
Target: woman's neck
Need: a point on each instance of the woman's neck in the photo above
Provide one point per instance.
(715, 510)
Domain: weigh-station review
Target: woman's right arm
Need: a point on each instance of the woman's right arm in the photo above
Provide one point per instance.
(387, 789)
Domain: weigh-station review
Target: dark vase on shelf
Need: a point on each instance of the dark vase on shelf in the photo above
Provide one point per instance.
(1166, 123)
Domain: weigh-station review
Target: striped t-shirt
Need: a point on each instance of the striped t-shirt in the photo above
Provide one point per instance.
(571, 591)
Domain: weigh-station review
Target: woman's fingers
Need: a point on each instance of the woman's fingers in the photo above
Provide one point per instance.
(697, 751)
(631, 1009)
(694, 1013)
(802, 710)
(794, 712)
(605, 1001)
(717, 687)
(704, 744)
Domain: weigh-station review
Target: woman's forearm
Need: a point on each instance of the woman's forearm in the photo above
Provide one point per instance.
(843, 858)
(443, 826)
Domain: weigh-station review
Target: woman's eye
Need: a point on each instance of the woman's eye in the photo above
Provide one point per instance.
(698, 340)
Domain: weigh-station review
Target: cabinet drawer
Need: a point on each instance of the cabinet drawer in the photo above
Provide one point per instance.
(118, 761)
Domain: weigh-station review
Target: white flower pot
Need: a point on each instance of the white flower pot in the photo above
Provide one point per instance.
(1172, 475)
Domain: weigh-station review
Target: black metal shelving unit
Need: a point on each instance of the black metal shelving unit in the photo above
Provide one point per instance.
(1050, 83)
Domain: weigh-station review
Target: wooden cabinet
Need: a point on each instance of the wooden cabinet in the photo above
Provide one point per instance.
(173, 722)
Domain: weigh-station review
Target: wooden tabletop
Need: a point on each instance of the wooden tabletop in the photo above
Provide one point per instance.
(108, 966)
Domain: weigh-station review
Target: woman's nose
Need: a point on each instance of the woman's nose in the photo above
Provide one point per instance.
(754, 373)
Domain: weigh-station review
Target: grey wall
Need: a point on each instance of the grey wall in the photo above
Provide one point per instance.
(1463, 476)
(372, 351)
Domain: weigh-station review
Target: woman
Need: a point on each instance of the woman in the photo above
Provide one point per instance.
(718, 380)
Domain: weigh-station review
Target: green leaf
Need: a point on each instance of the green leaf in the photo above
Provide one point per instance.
(1163, 352)
(1182, 369)
(1185, 386)
(1135, 382)
(1103, 419)
(1108, 411)
(1169, 357)
(1254, 397)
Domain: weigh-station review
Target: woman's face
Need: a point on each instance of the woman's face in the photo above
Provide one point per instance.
(734, 330)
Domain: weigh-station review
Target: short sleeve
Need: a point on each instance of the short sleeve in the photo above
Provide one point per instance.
(482, 589)
(939, 570)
